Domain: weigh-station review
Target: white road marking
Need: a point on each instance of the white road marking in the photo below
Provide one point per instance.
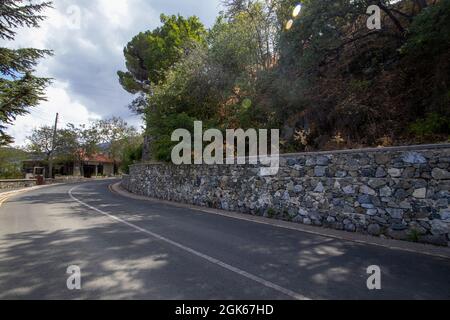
(210, 259)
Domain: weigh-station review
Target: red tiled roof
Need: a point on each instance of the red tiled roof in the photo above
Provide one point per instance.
(99, 158)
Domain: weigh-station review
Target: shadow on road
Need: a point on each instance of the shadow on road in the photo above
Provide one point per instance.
(118, 262)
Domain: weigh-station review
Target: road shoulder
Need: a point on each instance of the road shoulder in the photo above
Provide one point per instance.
(425, 249)
(4, 196)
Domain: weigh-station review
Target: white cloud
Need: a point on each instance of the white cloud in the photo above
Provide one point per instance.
(59, 101)
(117, 13)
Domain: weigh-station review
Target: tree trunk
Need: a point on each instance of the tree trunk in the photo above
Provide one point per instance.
(48, 174)
(146, 152)
(82, 169)
(394, 19)
(50, 169)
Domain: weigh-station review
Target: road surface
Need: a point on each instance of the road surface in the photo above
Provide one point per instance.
(134, 249)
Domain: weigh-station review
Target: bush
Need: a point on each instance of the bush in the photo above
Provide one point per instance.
(161, 128)
(433, 124)
(132, 154)
(429, 33)
(11, 163)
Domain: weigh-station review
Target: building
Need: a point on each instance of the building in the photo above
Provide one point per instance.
(96, 165)
(92, 166)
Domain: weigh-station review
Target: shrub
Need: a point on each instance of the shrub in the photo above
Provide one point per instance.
(432, 124)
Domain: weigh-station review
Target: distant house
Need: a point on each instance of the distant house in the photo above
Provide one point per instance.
(96, 165)
(92, 166)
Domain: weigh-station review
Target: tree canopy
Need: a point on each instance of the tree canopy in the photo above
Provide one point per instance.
(327, 80)
(19, 88)
(112, 137)
(151, 53)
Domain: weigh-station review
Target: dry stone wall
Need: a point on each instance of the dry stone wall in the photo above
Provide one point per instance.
(401, 193)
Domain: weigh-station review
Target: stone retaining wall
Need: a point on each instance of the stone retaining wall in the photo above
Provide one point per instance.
(6, 185)
(401, 193)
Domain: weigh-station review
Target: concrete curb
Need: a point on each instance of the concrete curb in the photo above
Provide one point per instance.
(429, 250)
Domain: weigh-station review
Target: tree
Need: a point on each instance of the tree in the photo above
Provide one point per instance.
(264, 19)
(209, 83)
(71, 143)
(19, 89)
(11, 163)
(80, 143)
(337, 78)
(41, 141)
(45, 140)
(150, 54)
(328, 78)
(114, 134)
(131, 153)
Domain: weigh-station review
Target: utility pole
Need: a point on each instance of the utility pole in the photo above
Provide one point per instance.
(50, 160)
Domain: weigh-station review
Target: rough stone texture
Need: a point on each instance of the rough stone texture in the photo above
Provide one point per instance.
(396, 193)
(6, 185)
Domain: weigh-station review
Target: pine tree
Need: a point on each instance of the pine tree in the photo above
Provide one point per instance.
(19, 88)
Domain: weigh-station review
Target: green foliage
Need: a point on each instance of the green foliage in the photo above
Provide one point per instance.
(150, 54)
(41, 141)
(16, 96)
(317, 33)
(115, 134)
(11, 163)
(161, 127)
(429, 34)
(213, 84)
(433, 124)
(132, 154)
(71, 143)
(426, 55)
(19, 89)
(271, 213)
(234, 46)
(112, 137)
(413, 236)
(328, 76)
(336, 76)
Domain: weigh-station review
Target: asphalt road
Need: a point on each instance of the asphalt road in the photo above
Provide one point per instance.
(133, 249)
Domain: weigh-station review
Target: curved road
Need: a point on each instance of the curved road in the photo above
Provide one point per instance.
(133, 249)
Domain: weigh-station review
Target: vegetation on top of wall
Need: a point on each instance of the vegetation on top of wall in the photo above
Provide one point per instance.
(328, 82)
(131, 155)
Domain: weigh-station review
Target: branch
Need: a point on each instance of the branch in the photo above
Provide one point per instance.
(392, 17)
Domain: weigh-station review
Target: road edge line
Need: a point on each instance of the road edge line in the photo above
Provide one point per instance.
(208, 258)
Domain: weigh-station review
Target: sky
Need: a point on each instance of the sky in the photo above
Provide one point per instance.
(88, 37)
